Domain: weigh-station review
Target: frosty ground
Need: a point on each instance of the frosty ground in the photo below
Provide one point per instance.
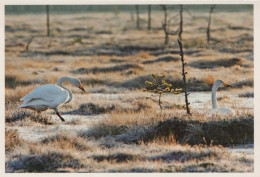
(115, 126)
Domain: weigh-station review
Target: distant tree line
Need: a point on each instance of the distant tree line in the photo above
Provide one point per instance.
(20, 9)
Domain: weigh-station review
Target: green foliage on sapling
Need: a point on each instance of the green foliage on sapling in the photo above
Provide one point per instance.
(160, 86)
(77, 40)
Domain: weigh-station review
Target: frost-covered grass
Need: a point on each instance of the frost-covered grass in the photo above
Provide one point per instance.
(62, 153)
(115, 126)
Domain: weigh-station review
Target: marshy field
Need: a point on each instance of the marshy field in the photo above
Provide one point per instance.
(115, 126)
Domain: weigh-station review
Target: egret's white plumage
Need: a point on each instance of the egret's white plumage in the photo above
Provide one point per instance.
(50, 96)
(215, 110)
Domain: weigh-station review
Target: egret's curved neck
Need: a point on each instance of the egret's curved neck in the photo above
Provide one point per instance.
(213, 97)
(59, 83)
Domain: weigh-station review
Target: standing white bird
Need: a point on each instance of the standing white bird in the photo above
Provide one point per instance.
(215, 110)
(50, 96)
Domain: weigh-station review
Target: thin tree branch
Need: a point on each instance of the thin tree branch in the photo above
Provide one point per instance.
(137, 17)
(149, 17)
(48, 20)
(181, 22)
(184, 77)
(209, 22)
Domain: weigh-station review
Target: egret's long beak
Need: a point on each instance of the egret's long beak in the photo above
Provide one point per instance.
(81, 87)
(226, 85)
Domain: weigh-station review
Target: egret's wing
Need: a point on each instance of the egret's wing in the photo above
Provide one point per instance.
(47, 93)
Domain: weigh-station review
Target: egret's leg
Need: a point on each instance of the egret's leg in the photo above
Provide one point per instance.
(58, 114)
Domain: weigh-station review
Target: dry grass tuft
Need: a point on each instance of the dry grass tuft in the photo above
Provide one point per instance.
(243, 83)
(162, 59)
(171, 130)
(223, 98)
(217, 63)
(12, 82)
(209, 79)
(39, 64)
(94, 82)
(195, 132)
(91, 108)
(28, 116)
(181, 131)
(103, 130)
(41, 118)
(142, 54)
(12, 140)
(247, 95)
(65, 142)
(135, 83)
(233, 131)
(46, 162)
(14, 95)
(183, 156)
(196, 43)
(194, 135)
(118, 157)
(115, 60)
(120, 123)
(15, 116)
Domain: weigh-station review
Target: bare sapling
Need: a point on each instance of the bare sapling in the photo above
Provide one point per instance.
(181, 22)
(149, 17)
(137, 17)
(165, 25)
(209, 22)
(183, 73)
(48, 20)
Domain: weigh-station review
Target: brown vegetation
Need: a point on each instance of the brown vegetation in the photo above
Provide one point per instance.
(115, 126)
